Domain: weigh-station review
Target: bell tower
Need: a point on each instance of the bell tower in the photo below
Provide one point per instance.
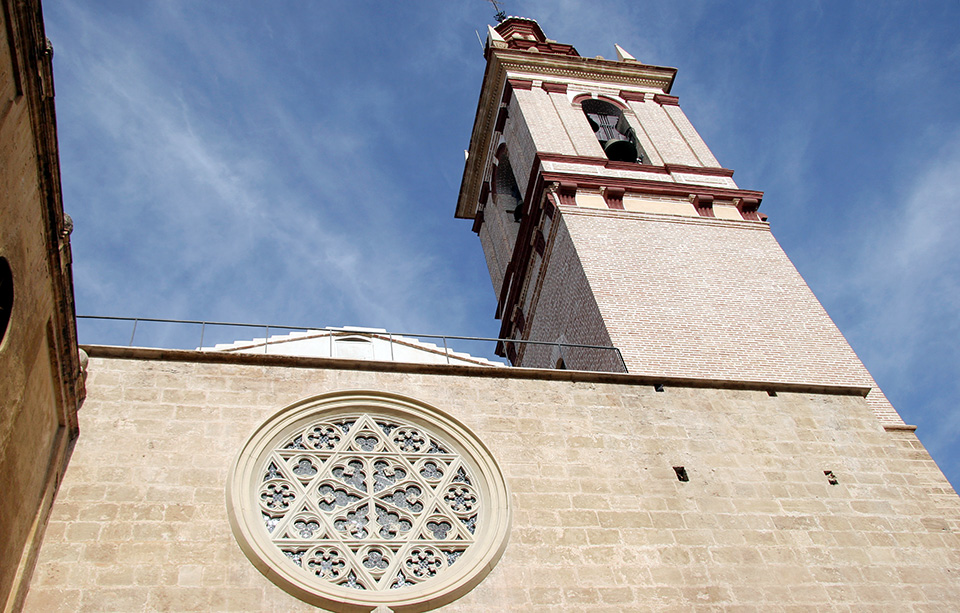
(606, 220)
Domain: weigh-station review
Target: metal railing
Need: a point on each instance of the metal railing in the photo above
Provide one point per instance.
(172, 334)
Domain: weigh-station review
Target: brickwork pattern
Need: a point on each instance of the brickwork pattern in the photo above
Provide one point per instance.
(691, 136)
(572, 121)
(519, 140)
(670, 144)
(543, 121)
(713, 299)
(564, 308)
(600, 520)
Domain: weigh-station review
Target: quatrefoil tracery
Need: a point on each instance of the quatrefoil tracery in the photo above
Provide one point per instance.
(368, 504)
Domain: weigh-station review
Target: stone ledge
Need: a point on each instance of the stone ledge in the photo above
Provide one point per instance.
(899, 428)
(210, 357)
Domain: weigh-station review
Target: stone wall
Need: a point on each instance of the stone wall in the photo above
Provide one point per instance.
(600, 520)
(39, 369)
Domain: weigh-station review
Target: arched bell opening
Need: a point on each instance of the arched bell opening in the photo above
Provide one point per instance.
(506, 191)
(611, 128)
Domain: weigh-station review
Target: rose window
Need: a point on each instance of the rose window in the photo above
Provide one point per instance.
(363, 505)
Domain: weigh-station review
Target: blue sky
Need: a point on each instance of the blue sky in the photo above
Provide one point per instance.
(298, 162)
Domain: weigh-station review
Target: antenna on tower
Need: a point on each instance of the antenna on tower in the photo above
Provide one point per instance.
(500, 15)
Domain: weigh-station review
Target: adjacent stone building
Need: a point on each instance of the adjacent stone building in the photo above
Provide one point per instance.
(40, 380)
(739, 457)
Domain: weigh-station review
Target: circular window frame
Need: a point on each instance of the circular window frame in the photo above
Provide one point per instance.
(246, 521)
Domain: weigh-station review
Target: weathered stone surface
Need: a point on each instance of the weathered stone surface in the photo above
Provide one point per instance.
(600, 520)
(39, 362)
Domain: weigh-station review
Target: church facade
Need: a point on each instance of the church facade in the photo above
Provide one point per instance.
(738, 456)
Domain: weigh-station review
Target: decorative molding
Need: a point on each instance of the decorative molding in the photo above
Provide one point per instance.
(554, 88)
(645, 186)
(748, 208)
(665, 100)
(632, 96)
(704, 205)
(549, 206)
(520, 83)
(613, 196)
(586, 69)
(567, 192)
(478, 222)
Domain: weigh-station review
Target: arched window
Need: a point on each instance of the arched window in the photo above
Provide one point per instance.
(507, 193)
(616, 137)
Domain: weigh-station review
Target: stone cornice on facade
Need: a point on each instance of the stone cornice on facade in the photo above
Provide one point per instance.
(545, 374)
(508, 63)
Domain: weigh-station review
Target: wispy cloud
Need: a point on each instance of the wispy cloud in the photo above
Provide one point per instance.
(903, 284)
(298, 219)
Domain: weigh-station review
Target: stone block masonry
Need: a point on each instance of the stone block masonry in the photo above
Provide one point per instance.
(601, 521)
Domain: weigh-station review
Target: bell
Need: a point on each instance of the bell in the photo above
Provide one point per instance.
(619, 150)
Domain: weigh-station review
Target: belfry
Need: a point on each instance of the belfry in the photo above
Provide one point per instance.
(606, 220)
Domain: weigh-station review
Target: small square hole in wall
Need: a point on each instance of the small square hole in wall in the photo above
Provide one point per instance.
(831, 478)
(681, 473)
(658, 387)
(771, 393)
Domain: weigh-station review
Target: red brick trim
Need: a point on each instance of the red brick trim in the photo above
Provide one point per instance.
(549, 206)
(644, 186)
(567, 192)
(551, 48)
(520, 83)
(501, 119)
(541, 244)
(554, 88)
(535, 205)
(748, 208)
(614, 197)
(521, 259)
(580, 98)
(612, 101)
(699, 170)
(663, 99)
(477, 222)
(520, 320)
(520, 26)
(484, 192)
(507, 94)
(632, 96)
(704, 205)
